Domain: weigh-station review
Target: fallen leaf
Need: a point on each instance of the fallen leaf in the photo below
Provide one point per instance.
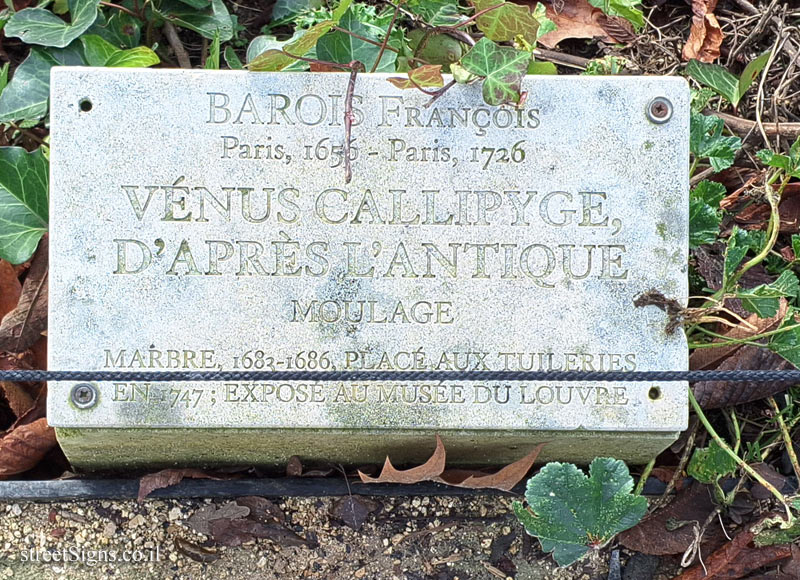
(505, 479)
(201, 520)
(23, 326)
(736, 559)
(24, 446)
(705, 36)
(717, 394)
(166, 478)
(10, 288)
(18, 398)
(353, 510)
(670, 530)
(778, 481)
(428, 471)
(576, 19)
(710, 358)
(238, 531)
(195, 552)
(757, 216)
(262, 510)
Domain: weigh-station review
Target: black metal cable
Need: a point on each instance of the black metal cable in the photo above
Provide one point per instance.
(787, 376)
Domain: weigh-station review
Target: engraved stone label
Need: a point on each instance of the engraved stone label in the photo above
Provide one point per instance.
(201, 221)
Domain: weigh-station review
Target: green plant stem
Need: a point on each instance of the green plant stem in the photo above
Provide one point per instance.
(751, 340)
(693, 167)
(773, 229)
(741, 462)
(643, 478)
(787, 438)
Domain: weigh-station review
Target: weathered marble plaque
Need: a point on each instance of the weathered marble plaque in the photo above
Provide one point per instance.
(201, 221)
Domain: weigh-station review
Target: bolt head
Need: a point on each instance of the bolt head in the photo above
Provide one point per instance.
(659, 110)
(84, 395)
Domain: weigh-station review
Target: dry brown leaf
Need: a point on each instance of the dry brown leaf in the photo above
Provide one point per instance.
(718, 394)
(705, 36)
(736, 559)
(24, 325)
(577, 19)
(25, 446)
(168, 477)
(18, 398)
(710, 358)
(505, 479)
(654, 535)
(10, 288)
(428, 471)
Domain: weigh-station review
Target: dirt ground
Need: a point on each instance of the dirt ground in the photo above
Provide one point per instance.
(441, 538)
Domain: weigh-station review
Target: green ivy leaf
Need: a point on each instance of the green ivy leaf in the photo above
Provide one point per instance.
(97, 50)
(437, 12)
(626, 9)
(426, 76)
(501, 68)
(138, 57)
(343, 48)
(204, 22)
(571, 513)
(796, 246)
(27, 94)
(23, 202)
(704, 213)
(540, 67)
(787, 343)
(232, 59)
(120, 29)
(724, 83)
(709, 464)
(274, 59)
(290, 8)
(763, 300)
(707, 142)
(40, 26)
(505, 23)
(789, 163)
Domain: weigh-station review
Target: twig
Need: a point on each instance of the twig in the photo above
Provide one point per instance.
(787, 438)
(739, 461)
(385, 40)
(477, 15)
(561, 58)
(743, 126)
(643, 478)
(122, 9)
(707, 172)
(437, 94)
(687, 453)
(760, 95)
(176, 44)
(348, 119)
(364, 38)
(753, 11)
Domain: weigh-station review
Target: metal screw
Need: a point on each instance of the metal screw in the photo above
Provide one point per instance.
(84, 395)
(659, 110)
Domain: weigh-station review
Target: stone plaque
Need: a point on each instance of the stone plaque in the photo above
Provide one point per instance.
(201, 221)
